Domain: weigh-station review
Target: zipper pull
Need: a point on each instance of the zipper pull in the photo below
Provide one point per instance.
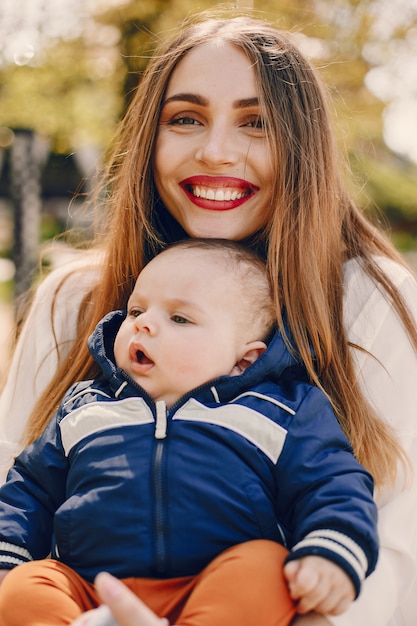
(161, 420)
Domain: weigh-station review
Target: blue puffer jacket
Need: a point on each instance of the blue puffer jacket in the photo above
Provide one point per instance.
(122, 484)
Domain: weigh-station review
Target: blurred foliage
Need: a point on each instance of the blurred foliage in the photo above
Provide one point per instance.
(388, 191)
(6, 291)
(71, 93)
(75, 91)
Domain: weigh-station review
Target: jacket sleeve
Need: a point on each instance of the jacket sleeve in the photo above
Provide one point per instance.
(388, 379)
(34, 489)
(326, 499)
(47, 335)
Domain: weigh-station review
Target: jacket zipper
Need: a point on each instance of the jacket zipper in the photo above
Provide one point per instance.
(160, 487)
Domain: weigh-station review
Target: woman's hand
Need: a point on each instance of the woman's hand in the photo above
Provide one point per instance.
(128, 609)
(311, 619)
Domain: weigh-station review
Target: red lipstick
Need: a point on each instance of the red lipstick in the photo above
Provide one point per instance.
(218, 193)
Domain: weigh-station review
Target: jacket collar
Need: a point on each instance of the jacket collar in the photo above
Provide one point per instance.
(269, 366)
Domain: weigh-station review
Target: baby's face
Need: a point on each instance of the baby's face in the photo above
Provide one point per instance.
(181, 329)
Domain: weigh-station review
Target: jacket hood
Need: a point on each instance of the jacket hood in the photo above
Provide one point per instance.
(269, 366)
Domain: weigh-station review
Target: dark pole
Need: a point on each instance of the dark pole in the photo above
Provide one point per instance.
(27, 156)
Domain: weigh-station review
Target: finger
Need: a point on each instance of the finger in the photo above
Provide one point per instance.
(290, 570)
(312, 619)
(308, 577)
(127, 608)
(335, 603)
(328, 597)
(313, 597)
(306, 580)
(82, 620)
(102, 616)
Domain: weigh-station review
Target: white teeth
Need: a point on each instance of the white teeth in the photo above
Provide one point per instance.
(220, 195)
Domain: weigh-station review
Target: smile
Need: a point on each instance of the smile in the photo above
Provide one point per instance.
(218, 193)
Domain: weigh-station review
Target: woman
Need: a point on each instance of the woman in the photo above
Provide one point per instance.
(229, 136)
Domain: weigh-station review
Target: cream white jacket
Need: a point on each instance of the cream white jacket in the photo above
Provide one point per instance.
(389, 379)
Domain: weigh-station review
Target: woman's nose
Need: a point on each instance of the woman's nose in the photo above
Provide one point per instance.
(217, 147)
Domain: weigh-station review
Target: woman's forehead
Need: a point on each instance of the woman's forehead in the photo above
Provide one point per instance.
(211, 61)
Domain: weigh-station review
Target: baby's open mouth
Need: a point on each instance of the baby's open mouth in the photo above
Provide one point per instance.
(143, 359)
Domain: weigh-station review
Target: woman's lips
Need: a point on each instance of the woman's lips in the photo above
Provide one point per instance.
(217, 193)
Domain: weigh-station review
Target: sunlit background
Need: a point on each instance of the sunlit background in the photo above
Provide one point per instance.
(67, 69)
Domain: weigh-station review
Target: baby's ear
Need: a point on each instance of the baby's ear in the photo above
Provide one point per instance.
(253, 351)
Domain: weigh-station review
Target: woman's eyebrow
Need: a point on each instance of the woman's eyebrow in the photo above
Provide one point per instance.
(197, 99)
(246, 103)
(187, 97)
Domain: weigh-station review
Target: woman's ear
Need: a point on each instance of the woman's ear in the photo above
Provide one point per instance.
(252, 351)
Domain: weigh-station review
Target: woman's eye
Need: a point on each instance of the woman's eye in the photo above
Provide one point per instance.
(184, 120)
(257, 123)
(178, 319)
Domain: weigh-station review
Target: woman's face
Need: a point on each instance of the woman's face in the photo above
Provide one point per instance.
(213, 168)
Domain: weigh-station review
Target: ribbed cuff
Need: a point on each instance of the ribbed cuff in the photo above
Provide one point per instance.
(336, 547)
(12, 555)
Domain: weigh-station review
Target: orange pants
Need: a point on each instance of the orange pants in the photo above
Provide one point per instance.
(243, 586)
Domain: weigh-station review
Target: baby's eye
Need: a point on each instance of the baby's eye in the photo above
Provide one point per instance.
(133, 312)
(178, 319)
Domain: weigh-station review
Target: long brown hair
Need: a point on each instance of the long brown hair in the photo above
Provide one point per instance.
(313, 227)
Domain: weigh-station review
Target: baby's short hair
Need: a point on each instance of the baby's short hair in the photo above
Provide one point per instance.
(257, 310)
